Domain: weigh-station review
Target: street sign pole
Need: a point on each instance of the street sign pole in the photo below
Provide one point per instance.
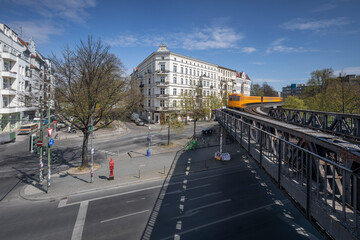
(49, 153)
(41, 164)
(92, 151)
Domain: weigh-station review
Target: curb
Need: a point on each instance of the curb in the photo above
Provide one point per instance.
(59, 197)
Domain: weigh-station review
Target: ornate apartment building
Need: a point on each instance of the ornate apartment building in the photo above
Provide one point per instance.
(25, 78)
(165, 76)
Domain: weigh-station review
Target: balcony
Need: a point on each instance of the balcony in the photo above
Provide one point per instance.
(162, 72)
(9, 56)
(8, 91)
(161, 109)
(162, 84)
(8, 74)
(162, 95)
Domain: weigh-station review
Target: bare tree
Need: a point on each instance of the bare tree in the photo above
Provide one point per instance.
(90, 86)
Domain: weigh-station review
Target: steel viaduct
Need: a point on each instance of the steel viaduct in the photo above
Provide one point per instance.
(313, 156)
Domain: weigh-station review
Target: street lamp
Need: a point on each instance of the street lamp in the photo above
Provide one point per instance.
(148, 152)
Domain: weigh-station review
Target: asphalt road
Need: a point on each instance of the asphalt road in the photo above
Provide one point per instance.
(18, 166)
(231, 203)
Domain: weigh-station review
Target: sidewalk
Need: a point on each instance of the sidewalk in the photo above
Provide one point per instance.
(137, 168)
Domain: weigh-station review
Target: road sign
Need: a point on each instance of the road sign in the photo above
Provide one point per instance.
(39, 143)
(51, 142)
(50, 130)
(54, 122)
(92, 151)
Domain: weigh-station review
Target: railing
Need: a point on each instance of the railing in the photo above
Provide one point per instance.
(342, 124)
(319, 185)
(160, 83)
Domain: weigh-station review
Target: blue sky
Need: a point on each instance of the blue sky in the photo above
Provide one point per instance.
(280, 41)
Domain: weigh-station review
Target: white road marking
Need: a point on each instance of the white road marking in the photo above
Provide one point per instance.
(223, 220)
(80, 221)
(115, 195)
(180, 191)
(62, 203)
(204, 196)
(205, 206)
(124, 216)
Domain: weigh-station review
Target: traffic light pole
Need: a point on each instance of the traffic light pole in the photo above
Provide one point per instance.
(41, 164)
(92, 150)
(49, 154)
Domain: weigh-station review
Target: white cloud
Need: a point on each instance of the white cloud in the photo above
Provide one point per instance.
(315, 25)
(123, 40)
(40, 31)
(248, 50)
(278, 46)
(71, 10)
(348, 71)
(325, 7)
(199, 39)
(210, 38)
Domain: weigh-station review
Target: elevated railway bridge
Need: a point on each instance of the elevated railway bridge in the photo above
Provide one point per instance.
(318, 170)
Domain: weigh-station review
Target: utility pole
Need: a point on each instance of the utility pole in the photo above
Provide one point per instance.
(49, 153)
(148, 153)
(41, 164)
(92, 150)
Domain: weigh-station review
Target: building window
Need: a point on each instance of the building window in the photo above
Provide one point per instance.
(175, 68)
(174, 91)
(162, 58)
(174, 59)
(174, 79)
(182, 81)
(186, 82)
(182, 91)
(149, 80)
(162, 79)
(149, 103)
(198, 72)
(190, 71)
(162, 67)
(186, 70)
(162, 103)
(182, 70)
(174, 103)
(149, 92)
(162, 90)
(190, 82)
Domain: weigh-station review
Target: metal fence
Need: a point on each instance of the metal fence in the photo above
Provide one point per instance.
(313, 181)
(343, 124)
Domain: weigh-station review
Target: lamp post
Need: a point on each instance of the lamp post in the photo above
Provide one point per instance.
(41, 164)
(49, 154)
(148, 153)
(92, 151)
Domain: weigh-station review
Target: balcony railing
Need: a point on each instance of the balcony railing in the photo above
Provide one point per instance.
(160, 83)
(8, 74)
(162, 71)
(161, 108)
(162, 95)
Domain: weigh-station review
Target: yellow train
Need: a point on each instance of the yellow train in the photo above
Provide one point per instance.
(240, 101)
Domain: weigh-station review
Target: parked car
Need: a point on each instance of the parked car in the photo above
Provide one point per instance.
(139, 122)
(27, 128)
(60, 125)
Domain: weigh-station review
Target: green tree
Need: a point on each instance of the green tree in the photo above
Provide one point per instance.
(172, 122)
(268, 90)
(89, 85)
(194, 105)
(256, 90)
(294, 102)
